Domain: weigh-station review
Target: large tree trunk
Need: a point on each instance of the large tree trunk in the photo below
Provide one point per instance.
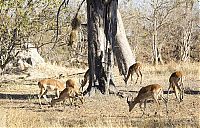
(102, 29)
(102, 32)
(124, 56)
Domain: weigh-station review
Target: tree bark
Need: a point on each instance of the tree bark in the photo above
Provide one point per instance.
(106, 38)
(157, 56)
(102, 29)
(185, 47)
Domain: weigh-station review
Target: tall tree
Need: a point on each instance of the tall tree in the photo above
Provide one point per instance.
(102, 31)
(160, 18)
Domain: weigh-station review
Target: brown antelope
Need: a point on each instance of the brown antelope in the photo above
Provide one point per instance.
(154, 91)
(46, 85)
(71, 91)
(85, 79)
(134, 68)
(174, 84)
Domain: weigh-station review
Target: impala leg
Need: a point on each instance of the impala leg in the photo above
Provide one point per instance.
(168, 92)
(131, 75)
(165, 102)
(72, 97)
(57, 93)
(177, 93)
(137, 77)
(81, 99)
(45, 97)
(42, 93)
(155, 97)
(71, 100)
(140, 76)
(182, 88)
(179, 89)
(39, 97)
(64, 103)
(145, 104)
(182, 92)
(140, 105)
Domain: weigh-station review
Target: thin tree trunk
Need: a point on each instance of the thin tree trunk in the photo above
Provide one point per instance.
(187, 31)
(160, 55)
(185, 54)
(155, 39)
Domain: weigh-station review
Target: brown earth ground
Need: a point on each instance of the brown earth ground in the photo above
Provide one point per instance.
(19, 103)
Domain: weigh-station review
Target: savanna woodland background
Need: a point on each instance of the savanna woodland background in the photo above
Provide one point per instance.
(163, 36)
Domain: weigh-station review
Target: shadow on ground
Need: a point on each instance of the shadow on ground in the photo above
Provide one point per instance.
(35, 96)
(190, 92)
(21, 96)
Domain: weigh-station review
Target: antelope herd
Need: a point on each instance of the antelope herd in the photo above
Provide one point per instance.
(70, 90)
(63, 91)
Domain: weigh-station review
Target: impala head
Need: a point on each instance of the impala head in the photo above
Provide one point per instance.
(131, 103)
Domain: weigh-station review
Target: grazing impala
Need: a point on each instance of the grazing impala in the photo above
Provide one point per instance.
(71, 91)
(46, 85)
(154, 91)
(174, 84)
(134, 68)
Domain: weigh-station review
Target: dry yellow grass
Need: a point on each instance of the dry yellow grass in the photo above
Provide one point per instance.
(19, 103)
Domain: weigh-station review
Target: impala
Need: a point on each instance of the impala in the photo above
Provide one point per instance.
(174, 84)
(134, 68)
(154, 91)
(46, 85)
(71, 92)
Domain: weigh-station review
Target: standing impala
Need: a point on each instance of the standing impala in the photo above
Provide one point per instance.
(46, 85)
(134, 68)
(174, 84)
(71, 92)
(154, 91)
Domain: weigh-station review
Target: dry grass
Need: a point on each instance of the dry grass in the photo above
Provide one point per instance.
(187, 68)
(19, 104)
